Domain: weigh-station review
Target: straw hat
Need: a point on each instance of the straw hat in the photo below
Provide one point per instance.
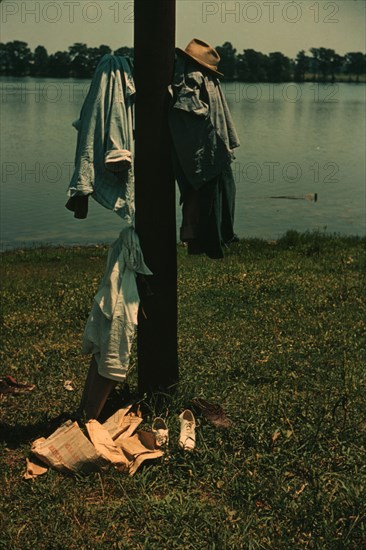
(204, 54)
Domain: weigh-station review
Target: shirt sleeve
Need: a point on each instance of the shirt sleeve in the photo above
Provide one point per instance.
(118, 154)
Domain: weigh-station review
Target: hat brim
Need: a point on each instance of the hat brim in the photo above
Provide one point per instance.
(202, 63)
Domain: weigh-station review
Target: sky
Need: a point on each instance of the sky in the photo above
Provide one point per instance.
(287, 26)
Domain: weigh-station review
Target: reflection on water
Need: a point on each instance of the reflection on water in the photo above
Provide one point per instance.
(295, 140)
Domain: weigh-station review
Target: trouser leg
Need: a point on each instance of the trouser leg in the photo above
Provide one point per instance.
(208, 215)
(228, 204)
(96, 392)
(210, 196)
(190, 221)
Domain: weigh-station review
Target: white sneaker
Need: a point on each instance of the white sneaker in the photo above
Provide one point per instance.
(187, 440)
(160, 431)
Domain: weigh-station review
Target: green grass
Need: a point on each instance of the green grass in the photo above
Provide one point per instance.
(275, 333)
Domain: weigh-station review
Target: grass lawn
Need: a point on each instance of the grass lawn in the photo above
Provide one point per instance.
(275, 332)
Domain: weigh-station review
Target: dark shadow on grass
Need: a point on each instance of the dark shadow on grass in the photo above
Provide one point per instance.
(16, 435)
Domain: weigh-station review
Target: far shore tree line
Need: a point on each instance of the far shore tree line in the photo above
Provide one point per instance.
(80, 61)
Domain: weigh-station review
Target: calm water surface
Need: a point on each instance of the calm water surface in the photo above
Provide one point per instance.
(295, 140)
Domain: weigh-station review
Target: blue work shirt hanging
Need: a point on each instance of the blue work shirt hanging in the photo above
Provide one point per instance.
(105, 145)
(204, 137)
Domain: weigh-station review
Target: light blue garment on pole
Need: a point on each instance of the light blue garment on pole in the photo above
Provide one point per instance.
(105, 146)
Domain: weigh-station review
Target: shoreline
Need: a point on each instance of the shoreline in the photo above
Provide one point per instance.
(298, 236)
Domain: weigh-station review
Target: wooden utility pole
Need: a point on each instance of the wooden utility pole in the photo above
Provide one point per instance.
(155, 193)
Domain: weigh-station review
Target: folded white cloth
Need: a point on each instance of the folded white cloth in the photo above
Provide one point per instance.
(111, 325)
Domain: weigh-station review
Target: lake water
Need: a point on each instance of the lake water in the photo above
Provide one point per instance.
(296, 140)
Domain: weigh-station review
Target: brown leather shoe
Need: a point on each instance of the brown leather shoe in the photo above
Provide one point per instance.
(213, 412)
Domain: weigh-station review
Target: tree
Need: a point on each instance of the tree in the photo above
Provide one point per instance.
(252, 66)
(40, 62)
(302, 64)
(59, 65)
(336, 65)
(249, 66)
(79, 60)
(242, 68)
(325, 59)
(4, 59)
(19, 58)
(228, 60)
(84, 60)
(125, 51)
(327, 62)
(278, 67)
(95, 55)
(355, 63)
(314, 63)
